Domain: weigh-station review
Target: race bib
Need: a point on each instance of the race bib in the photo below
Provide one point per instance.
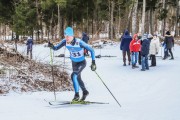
(77, 54)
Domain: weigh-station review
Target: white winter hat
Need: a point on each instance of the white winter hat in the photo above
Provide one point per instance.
(150, 36)
(29, 37)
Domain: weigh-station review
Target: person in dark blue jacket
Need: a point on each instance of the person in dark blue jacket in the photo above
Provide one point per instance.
(144, 54)
(29, 44)
(124, 46)
(76, 48)
(85, 38)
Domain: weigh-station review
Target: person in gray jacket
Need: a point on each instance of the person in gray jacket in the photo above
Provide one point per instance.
(154, 49)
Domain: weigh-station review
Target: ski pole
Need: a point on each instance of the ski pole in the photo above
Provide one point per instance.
(108, 89)
(52, 70)
(64, 64)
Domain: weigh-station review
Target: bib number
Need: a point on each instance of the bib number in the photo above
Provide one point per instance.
(76, 54)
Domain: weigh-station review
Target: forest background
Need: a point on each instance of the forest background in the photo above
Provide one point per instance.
(46, 19)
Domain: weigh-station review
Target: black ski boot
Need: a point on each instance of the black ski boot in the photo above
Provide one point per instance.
(85, 94)
(76, 97)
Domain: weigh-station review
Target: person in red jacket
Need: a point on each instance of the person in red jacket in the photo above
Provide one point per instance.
(135, 46)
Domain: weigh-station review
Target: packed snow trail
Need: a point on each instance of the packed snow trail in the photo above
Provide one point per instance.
(144, 95)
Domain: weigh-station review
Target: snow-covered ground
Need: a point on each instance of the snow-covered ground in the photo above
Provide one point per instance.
(143, 95)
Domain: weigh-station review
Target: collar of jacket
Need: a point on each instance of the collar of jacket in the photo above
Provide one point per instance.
(168, 35)
(73, 41)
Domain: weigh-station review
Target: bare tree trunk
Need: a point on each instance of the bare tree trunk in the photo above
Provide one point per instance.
(109, 6)
(151, 21)
(92, 27)
(128, 19)
(38, 18)
(51, 28)
(163, 21)
(177, 29)
(5, 32)
(41, 27)
(1, 31)
(59, 23)
(111, 20)
(134, 18)
(119, 21)
(139, 20)
(96, 20)
(87, 22)
(15, 42)
(143, 17)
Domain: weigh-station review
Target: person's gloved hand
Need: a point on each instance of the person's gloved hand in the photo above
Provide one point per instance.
(50, 45)
(132, 53)
(93, 65)
(156, 53)
(120, 48)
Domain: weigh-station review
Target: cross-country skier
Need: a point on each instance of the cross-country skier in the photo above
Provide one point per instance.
(76, 48)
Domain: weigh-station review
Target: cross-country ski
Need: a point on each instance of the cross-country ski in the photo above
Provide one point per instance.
(56, 103)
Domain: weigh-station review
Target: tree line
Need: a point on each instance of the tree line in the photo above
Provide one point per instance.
(48, 18)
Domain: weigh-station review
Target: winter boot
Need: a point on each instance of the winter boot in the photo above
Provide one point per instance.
(76, 97)
(171, 58)
(124, 64)
(142, 69)
(136, 66)
(85, 94)
(133, 66)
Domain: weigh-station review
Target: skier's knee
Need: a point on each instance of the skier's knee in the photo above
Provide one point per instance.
(74, 73)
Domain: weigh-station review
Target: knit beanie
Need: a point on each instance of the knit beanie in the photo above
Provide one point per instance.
(69, 31)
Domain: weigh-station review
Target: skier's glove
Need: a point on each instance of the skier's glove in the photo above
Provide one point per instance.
(93, 65)
(132, 53)
(50, 45)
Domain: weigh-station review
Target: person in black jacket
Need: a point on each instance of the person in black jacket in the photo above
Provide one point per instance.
(85, 38)
(139, 57)
(124, 46)
(144, 54)
(169, 43)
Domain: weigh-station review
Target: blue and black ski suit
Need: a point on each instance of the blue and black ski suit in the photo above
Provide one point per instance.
(76, 49)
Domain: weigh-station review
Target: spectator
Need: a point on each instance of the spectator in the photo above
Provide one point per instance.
(29, 44)
(154, 49)
(168, 43)
(85, 38)
(124, 46)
